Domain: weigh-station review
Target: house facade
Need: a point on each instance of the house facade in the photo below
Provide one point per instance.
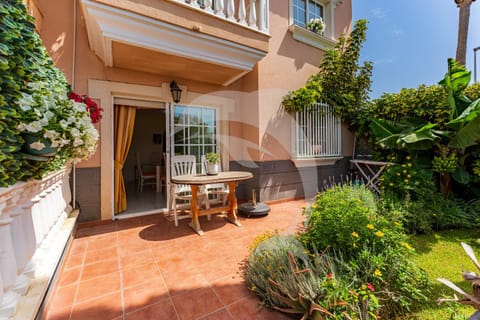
(233, 60)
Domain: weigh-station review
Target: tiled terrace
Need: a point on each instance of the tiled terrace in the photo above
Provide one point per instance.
(145, 268)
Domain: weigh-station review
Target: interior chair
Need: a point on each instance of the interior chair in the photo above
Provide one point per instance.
(217, 192)
(144, 178)
(183, 165)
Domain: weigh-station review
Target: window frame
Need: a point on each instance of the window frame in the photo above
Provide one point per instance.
(303, 139)
(306, 10)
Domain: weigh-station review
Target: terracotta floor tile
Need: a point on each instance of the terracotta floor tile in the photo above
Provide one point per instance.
(94, 256)
(74, 261)
(106, 307)
(194, 304)
(69, 277)
(78, 247)
(63, 297)
(161, 310)
(140, 274)
(57, 314)
(221, 314)
(100, 286)
(184, 281)
(230, 288)
(99, 269)
(139, 258)
(144, 294)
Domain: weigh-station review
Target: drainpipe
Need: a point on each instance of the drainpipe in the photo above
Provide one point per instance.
(74, 55)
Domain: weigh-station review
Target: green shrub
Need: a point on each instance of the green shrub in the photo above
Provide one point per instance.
(346, 219)
(287, 279)
(406, 179)
(433, 212)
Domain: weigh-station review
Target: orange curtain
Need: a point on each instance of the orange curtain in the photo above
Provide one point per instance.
(124, 123)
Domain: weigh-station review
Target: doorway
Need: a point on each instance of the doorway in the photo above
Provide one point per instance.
(146, 155)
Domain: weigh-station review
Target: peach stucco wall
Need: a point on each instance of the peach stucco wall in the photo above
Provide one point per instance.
(258, 129)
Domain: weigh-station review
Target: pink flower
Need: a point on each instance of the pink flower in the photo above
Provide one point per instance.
(370, 286)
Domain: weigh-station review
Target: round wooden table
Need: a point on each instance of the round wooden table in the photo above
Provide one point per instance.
(229, 177)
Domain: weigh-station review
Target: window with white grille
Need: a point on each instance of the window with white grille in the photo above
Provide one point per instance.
(318, 133)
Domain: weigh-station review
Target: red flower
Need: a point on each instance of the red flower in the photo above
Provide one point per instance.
(330, 275)
(91, 106)
(370, 286)
(75, 97)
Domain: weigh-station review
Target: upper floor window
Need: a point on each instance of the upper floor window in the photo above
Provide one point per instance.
(318, 133)
(306, 10)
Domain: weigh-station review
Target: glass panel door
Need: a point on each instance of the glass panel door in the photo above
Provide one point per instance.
(194, 131)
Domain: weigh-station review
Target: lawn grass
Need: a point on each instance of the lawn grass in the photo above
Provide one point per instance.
(441, 255)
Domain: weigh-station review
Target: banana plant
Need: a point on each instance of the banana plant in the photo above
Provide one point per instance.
(460, 133)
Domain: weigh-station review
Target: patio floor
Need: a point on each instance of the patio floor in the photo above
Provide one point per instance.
(145, 268)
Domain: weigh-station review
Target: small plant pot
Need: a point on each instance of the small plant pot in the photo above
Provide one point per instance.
(212, 168)
(38, 146)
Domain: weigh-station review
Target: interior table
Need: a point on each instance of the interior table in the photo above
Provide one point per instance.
(230, 177)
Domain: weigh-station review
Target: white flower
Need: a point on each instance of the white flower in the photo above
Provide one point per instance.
(35, 126)
(316, 25)
(22, 127)
(49, 115)
(37, 145)
(51, 134)
(78, 106)
(25, 102)
(63, 124)
(77, 142)
(75, 132)
(35, 85)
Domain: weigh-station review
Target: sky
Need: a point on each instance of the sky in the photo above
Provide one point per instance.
(409, 41)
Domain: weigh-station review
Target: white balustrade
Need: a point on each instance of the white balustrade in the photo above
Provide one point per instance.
(28, 212)
(245, 14)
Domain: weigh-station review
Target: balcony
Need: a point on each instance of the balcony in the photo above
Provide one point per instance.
(221, 39)
(36, 222)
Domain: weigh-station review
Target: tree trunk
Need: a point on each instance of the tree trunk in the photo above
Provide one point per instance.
(463, 20)
(445, 183)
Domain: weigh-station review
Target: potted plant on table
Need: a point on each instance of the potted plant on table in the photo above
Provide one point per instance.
(213, 161)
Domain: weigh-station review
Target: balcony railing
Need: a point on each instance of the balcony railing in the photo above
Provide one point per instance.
(249, 13)
(32, 214)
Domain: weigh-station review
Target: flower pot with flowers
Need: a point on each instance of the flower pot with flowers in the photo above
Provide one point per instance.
(316, 25)
(52, 122)
(213, 161)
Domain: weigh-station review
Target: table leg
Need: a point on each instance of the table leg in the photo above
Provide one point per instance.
(232, 199)
(195, 224)
(157, 178)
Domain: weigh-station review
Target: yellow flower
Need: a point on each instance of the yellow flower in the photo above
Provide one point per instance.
(406, 245)
(409, 175)
(406, 180)
(408, 157)
(398, 173)
(378, 273)
(314, 206)
(364, 287)
(391, 184)
(379, 233)
(404, 171)
(354, 245)
(354, 234)
(403, 166)
(370, 226)
(409, 164)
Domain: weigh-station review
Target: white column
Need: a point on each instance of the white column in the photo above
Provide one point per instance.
(18, 240)
(252, 15)
(194, 3)
(263, 15)
(37, 217)
(8, 264)
(230, 10)
(331, 28)
(242, 13)
(219, 8)
(208, 5)
(28, 228)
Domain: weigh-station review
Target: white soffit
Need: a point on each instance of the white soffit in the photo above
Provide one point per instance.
(106, 24)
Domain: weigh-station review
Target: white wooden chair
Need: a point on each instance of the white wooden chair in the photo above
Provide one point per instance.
(183, 165)
(219, 191)
(144, 178)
